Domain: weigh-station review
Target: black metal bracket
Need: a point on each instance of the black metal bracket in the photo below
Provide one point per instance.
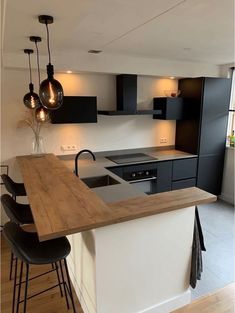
(35, 39)
(45, 19)
(28, 51)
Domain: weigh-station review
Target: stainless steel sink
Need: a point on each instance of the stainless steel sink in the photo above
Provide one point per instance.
(100, 181)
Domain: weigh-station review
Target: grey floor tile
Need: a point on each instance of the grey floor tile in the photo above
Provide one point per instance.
(218, 223)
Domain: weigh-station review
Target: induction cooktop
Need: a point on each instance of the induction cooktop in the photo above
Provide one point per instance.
(130, 158)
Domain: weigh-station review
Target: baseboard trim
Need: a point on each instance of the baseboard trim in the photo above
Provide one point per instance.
(170, 304)
(227, 198)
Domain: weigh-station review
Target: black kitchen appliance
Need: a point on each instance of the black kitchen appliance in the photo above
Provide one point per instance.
(130, 158)
(126, 92)
(143, 176)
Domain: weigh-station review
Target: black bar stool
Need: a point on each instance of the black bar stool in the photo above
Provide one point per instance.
(27, 249)
(17, 213)
(15, 189)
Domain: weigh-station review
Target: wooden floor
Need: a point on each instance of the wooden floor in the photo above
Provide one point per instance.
(223, 301)
(49, 302)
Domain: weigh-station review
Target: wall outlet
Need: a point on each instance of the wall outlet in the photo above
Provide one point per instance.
(68, 147)
(163, 140)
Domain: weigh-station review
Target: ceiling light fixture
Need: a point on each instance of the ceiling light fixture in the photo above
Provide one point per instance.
(50, 92)
(41, 113)
(69, 72)
(31, 99)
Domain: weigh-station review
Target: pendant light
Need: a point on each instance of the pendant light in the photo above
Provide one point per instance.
(31, 99)
(41, 113)
(50, 92)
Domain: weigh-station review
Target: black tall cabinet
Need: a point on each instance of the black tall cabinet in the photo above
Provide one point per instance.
(204, 131)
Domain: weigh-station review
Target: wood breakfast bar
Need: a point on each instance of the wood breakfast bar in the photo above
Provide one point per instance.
(128, 256)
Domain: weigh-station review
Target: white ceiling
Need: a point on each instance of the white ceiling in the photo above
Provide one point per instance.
(190, 30)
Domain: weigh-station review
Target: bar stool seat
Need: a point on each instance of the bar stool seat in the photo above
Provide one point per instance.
(16, 189)
(17, 212)
(27, 247)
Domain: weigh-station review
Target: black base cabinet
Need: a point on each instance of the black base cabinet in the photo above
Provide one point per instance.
(210, 173)
(164, 176)
(184, 183)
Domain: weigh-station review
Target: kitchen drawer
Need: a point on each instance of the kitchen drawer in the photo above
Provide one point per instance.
(185, 183)
(186, 168)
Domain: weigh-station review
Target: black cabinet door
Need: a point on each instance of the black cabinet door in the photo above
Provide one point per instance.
(186, 168)
(170, 108)
(214, 115)
(210, 173)
(164, 176)
(187, 131)
(75, 109)
(185, 183)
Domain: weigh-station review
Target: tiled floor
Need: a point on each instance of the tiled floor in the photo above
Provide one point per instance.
(218, 223)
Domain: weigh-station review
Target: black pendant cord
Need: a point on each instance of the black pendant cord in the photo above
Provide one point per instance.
(30, 71)
(38, 65)
(48, 43)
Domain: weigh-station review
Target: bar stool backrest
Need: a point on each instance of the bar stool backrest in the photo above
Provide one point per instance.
(11, 208)
(9, 183)
(15, 189)
(15, 237)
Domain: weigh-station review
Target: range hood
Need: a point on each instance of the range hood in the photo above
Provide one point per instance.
(126, 93)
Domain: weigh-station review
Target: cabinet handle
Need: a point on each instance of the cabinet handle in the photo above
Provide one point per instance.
(143, 179)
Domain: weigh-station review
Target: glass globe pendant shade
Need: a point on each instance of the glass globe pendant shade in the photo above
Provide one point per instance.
(41, 114)
(51, 92)
(31, 99)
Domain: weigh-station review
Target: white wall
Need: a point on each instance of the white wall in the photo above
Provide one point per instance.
(228, 190)
(110, 133)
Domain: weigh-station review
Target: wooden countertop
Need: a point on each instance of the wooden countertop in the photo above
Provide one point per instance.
(62, 204)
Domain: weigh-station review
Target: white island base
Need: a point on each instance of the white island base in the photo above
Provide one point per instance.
(139, 266)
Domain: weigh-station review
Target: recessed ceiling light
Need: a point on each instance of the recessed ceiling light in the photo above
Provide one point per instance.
(69, 72)
(172, 77)
(94, 51)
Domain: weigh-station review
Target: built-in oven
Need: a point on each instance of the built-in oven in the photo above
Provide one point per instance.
(142, 176)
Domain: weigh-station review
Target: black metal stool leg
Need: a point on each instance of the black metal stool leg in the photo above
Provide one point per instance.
(70, 289)
(19, 287)
(11, 265)
(14, 287)
(26, 287)
(58, 278)
(63, 281)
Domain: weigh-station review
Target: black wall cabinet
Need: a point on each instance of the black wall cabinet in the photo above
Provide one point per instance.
(205, 133)
(78, 109)
(170, 108)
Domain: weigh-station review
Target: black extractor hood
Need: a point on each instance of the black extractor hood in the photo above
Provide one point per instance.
(126, 92)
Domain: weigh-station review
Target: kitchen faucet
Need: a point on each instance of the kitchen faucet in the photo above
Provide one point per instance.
(77, 156)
